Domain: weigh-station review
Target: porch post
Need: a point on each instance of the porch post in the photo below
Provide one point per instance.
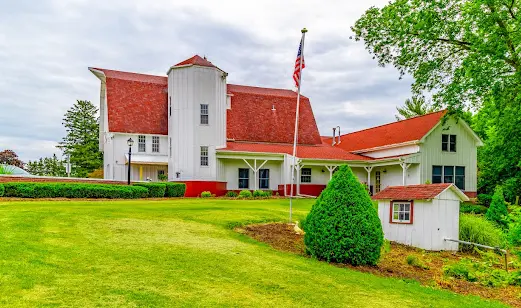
(255, 170)
(331, 168)
(298, 167)
(368, 169)
(404, 166)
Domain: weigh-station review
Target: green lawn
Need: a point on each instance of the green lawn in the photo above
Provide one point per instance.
(177, 253)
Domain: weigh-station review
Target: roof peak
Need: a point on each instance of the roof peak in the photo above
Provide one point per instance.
(196, 60)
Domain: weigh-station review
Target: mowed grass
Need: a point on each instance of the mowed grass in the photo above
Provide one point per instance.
(174, 253)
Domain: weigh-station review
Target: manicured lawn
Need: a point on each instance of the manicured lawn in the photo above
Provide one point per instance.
(177, 253)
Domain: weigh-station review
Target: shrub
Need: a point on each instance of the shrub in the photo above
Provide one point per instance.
(486, 272)
(477, 229)
(414, 261)
(2, 189)
(245, 194)
(469, 208)
(258, 194)
(460, 270)
(155, 190)
(343, 226)
(484, 199)
(231, 194)
(497, 212)
(175, 190)
(73, 190)
(514, 230)
(206, 194)
(162, 177)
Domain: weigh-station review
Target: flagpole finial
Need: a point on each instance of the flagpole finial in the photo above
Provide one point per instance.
(304, 30)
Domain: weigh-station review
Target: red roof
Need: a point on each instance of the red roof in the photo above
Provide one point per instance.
(252, 118)
(196, 60)
(393, 133)
(319, 151)
(411, 192)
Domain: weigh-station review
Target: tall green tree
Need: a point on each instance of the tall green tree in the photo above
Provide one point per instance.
(497, 212)
(47, 166)
(462, 51)
(81, 142)
(414, 107)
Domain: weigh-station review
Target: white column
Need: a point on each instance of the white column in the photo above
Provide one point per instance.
(331, 168)
(368, 169)
(298, 167)
(404, 166)
(255, 170)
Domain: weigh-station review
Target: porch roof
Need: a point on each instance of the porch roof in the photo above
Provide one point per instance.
(319, 151)
(140, 159)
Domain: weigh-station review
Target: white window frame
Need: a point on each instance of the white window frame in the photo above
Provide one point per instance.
(142, 143)
(155, 144)
(205, 111)
(204, 161)
(399, 208)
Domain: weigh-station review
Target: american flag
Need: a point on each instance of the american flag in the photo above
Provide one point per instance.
(296, 73)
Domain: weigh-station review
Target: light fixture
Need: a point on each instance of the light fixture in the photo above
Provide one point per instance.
(130, 142)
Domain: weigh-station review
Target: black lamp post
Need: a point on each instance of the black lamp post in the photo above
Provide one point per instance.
(130, 143)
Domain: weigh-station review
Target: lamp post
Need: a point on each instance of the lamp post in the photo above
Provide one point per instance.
(130, 143)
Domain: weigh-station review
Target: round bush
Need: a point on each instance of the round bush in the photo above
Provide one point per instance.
(231, 194)
(206, 194)
(245, 194)
(477, 229)
(343, 226)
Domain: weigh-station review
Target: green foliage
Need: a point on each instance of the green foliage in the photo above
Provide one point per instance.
(245, 194)
(73, 190)
(497, 212)
(162, 177)
(82, 139)
(477, 229)
(9, 157)
(155, 190)
(206, 194)
(2, 190)
(262, 194)
(484, 199)
(414, 261)
(175, 190)
(414, 107)
(514, 230)
(231, 194)
(6, 170)
(460, 270)
(470, 208)
(48, 166)
(343, 225)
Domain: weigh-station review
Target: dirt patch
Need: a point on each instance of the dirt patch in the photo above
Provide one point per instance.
(393, 263)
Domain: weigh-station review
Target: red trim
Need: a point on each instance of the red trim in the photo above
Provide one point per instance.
(391, 212)
(195, 188)
(471, 194)
(305, 189)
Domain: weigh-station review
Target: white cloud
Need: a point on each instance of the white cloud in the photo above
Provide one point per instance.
(47, 45)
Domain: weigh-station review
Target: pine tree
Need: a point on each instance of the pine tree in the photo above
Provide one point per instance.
(48, 166)
(414, 107)
(497, 212)
(81, 142)
(343, 226)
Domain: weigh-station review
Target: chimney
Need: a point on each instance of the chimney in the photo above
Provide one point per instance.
(339, 141)
(334, 130)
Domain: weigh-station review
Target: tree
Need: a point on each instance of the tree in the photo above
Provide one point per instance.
(81, 142)
(9, 157)
(462, 51)
(497, 212)
(343, 226)
(48, 166)
(414, 107)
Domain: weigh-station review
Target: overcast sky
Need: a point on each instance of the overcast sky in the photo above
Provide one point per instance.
(47, 45)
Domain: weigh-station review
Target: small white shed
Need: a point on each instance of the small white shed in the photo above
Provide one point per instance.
(421, 215)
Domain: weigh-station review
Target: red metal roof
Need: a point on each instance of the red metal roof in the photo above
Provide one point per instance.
(411, 192)
(252, 118)
(319, 151)
(196, 60)
(393, 133)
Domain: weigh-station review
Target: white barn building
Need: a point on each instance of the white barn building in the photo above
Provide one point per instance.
(422, 216)
(194, 127)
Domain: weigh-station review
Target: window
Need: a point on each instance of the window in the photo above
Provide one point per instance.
(305, 175)
(448, 143)
(204, 114)
(204, 156)
(155, 144)
(161, 175)
(141, 142)
(244, 178)
(378, 182)
(449, 174)
(401, 212)
(437, 174)
(264, 178)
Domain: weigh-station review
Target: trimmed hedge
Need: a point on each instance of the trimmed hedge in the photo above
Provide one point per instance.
(175, 190)
(343, 225)
(73, 190)
(2, 189)
(155, 190)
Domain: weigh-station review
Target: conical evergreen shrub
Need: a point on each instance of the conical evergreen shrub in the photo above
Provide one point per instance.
(343, 226)
(497, 212)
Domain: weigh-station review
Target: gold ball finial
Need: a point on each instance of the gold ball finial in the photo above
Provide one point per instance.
(304, 30)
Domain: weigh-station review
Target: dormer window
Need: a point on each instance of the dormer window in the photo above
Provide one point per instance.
(448, 143)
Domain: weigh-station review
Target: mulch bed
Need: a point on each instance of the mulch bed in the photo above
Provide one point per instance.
(393, 264)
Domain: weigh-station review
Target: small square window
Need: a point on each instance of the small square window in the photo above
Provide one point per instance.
(401, 212)
(204, 156)
(305, 175)
(141, 143)
(155, 144)
(204, 114)
(448, 143)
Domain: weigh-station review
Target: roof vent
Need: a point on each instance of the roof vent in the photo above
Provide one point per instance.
(334, 135)
(273, 108)
(334, 131)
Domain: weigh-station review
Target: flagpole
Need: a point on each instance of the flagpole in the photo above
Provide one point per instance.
(295, 136)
